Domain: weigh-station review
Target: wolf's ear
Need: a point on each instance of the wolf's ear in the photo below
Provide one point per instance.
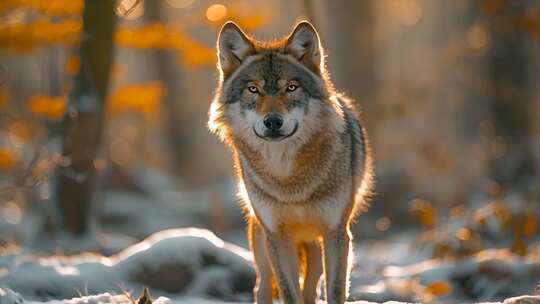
(233, 46)
(303, 43)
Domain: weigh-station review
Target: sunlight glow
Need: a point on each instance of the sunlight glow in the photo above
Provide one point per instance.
(464, 234)
(11, 212)
(66, 270)
(216, 12)
(383, 223)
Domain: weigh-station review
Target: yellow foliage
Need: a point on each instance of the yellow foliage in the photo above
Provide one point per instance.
(141, 98)
(157, 35)
(20, 37)
(7, 159)
(49, 7)
(438, 288)
(248, 22)
(48, 107)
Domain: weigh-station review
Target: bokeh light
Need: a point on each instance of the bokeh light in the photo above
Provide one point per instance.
(383, 223)
(216, 12)
(11, 212)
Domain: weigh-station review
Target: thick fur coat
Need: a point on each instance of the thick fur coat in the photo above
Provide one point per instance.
(302, 160)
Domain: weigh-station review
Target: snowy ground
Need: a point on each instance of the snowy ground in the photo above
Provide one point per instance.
(194, 266)
(10, 297)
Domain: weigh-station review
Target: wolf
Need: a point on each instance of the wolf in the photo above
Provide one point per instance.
(302, 160)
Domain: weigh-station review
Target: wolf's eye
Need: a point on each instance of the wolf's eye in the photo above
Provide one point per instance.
(253, 89)
(292, 87)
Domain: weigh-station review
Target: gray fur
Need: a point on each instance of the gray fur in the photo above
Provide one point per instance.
(272, 67)
(330, 176)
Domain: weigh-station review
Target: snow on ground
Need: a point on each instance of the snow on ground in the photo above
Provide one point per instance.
(189, 261)
(399, 269)
(194, 266)
(8, 296)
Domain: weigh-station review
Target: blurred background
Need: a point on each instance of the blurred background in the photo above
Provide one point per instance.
(103, 137)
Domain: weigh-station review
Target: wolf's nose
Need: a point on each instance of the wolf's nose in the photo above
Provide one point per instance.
(273, 121)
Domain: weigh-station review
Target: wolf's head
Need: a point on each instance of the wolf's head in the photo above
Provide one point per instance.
(272, 93)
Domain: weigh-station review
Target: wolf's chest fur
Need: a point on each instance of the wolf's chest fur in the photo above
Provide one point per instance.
(305, 189)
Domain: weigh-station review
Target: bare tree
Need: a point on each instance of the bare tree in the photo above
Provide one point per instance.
(83, 124)
(511, 99)
(170, 75)
(347, 27)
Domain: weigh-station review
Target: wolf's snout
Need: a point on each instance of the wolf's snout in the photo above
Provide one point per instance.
(273, 121)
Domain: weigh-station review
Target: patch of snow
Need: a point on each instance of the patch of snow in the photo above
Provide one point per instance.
(161, 262)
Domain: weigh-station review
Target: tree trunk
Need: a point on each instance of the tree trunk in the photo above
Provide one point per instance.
(347, 30)
(168, 73)
(83, 124)
(511, 101)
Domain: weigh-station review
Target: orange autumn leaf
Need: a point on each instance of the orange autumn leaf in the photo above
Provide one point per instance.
(50, 7)
(157, 35)
(140, 98)
(20, 37)
(530, 224)
(425, 211)
(7, 159)
(438, 288)
(72, 65)
(249, 22)
(4, 98)
(47, 107)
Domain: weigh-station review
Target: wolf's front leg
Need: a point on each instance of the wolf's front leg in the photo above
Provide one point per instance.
(283, 256)
(263, 286)
(336, 246)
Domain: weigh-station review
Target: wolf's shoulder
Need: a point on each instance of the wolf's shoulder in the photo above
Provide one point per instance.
(355, 131)
(352, 117)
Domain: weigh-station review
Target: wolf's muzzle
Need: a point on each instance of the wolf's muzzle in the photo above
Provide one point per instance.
(275, 134)
(273, 121)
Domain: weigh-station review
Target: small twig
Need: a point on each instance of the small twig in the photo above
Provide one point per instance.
(130, 9)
